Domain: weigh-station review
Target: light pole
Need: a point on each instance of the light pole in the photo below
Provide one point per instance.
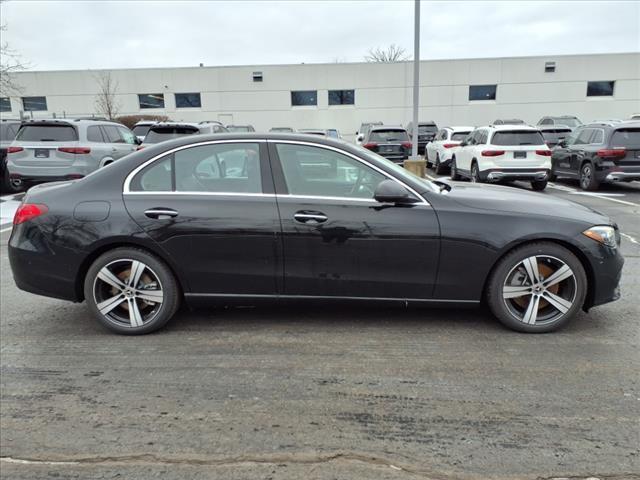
(416, 80)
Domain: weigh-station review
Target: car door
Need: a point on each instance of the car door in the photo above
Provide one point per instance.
(577, 149)
(212, 209)
(465, 154)
(337, 241)
(115, 142)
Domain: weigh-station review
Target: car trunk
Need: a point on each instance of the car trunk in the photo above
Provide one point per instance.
(46, 145)
(389, 143)
(625, 147)
(519, 149)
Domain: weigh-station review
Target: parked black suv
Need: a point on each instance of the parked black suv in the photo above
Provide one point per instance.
(389, 142)
(426, 133)
(597, 153)
(8, 130)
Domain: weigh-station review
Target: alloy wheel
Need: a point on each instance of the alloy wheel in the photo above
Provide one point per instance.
(585, 177)
(539, 290)
(128, 293)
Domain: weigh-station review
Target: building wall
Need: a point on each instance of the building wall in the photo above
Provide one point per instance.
(382, 91)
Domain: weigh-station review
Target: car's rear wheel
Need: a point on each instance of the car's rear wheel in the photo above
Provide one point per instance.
(475, 173)
(9, 186)
(537, 288)
(131, 291)
(454, 170)
(539, 185)
(588, 180)
(438, 168)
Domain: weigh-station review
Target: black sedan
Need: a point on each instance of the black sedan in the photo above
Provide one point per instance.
(253, 217)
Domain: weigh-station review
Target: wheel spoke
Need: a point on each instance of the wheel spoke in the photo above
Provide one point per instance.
(135, 318)
(558, 302)
(531, 266)
(154, 296)
(110, 303)
(531, 314)
(559, 275)
(106, 276)
(136, 272)
(514, 291)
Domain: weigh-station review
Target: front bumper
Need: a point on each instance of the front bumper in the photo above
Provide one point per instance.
(606, 270)
(534, 174)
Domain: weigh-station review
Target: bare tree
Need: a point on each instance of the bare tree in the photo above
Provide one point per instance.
(10, 62)
(106, 103)
(393, 53)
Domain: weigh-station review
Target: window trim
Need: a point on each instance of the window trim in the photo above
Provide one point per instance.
(126, 190)
(613, 89)
(8, 99)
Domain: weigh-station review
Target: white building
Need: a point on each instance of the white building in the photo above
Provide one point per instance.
(342, 95)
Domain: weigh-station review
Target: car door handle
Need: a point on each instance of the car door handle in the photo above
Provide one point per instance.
(160, 213)
(309, 217)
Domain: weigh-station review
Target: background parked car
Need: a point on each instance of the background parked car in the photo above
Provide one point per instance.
(53, 149)
(553, 134)
(140, 129)
(509, 121)
(388, 141)
(241, 128)
(503, 152)
(635, 116)
(8, 130)
(426, 131)
(333, 133)
(440, 150)
(281, 130)
(597, 153)
(163, 131)
(570, 121)
(364, 129)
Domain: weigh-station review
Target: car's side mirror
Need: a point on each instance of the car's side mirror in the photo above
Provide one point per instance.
(390, 191)
(137, 141)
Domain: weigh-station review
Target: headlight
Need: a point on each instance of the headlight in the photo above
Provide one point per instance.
(605, 235)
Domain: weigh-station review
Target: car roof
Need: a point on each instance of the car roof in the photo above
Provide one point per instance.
(387, 127)
(69, 121)
(516, 126)
(553, 127)
(460, 127)
(145, 122)
(176, 124)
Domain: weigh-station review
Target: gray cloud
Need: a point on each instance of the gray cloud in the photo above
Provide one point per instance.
(118, 34)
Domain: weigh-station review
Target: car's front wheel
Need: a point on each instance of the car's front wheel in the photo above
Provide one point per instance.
(538, 185)
(438, 168)
(537, 288)
(131, 292)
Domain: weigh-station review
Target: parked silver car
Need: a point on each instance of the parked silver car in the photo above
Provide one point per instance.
(55, 149)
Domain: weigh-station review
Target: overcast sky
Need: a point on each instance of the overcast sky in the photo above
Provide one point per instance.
(116, 34)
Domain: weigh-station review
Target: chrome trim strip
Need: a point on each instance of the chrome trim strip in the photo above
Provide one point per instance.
(213, 194)
(324, 297)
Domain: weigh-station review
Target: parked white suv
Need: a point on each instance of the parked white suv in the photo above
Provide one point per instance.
(503, 152)
(440, 150)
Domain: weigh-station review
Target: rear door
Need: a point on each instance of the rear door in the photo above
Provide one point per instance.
(41, 143)
(578, 148)
(212, 209)
(519, 149)
(337, 240)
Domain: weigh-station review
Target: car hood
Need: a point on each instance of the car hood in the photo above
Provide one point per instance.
(514, 200)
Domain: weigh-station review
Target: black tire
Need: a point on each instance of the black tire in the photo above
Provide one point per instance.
(552, 175)
(507, 310)
(538, 185)
(475, 173)
(438, 168)
(97, 291)
(588, 180)
(6, 186)
(454, 170)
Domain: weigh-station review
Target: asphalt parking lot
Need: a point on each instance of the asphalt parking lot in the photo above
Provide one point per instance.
(293, 392)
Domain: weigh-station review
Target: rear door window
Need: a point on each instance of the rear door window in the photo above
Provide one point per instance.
(517, 137)
(94, 134)
(583, 137)
(112, 133)
(127, 135)
(389, 136)
(47, 133)
(627, 138)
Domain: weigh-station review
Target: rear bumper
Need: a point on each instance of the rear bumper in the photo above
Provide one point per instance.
(497, 174)
(620, 176)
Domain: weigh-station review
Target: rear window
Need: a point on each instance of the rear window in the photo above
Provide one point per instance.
(514, 138)
(427, 129)
(459, 136)
(141, 130)
(8, 131)
(47, 133)
(164, 134)
(628, 138)
(389, 136)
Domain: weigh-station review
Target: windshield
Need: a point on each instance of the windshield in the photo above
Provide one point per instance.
(398, 171)
(8, 131)
(459, 136)
(628, 138)
(164, 134)
(515, 138)
(569, 122)
(47, 133)
(141, 130)
(382, 136)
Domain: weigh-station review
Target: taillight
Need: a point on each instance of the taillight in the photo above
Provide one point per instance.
(614, 152)
(28, 211)
(407, 144)
(450, 145)
(544, 153)
(370, 146)
(492, 153)
(14, 149)
(75, 150)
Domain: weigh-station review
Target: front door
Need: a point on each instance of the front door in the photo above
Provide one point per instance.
(212, 209)
(337, 240)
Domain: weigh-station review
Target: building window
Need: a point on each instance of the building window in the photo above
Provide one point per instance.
(5, 104)
(257, 76)
(600, 89)
(304, 97)
(342, 97)
(34, 104)
(151, 100)
(550, 67)
(188, 100)
(482, 92)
